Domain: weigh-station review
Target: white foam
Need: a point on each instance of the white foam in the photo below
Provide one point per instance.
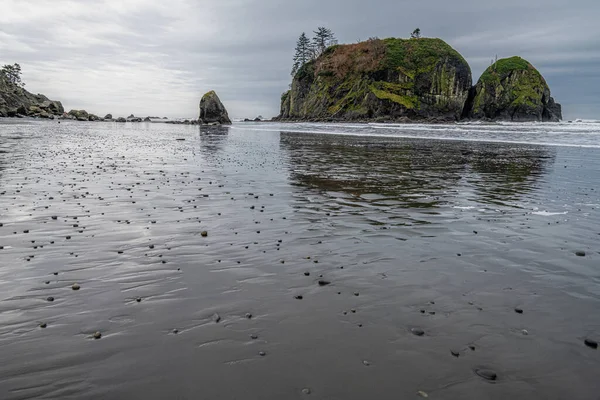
(548, 213)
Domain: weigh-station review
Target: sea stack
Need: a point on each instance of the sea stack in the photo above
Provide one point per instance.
(511, 89)
(382, 80)
(212, 111)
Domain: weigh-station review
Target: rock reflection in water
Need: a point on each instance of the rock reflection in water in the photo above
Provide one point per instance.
(415, 173)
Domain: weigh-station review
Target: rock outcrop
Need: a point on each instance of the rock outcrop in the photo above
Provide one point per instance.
(212, 111)
(79, 115)
(16, 101)
(390, 79)
(511, 89)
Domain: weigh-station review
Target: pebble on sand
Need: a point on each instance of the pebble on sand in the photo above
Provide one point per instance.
(580, 253)
(50, 298)
(248, 315)
(216, 317)
(262, 353)
(455, 353)
(97, 335)
(306, 391)
(43, 325)
(417, 331)
(299, 297)
(323, 282)
(519, 310)
(204, 233)
(591, 343)
(366, 363)
(76, 286)
(487, 374)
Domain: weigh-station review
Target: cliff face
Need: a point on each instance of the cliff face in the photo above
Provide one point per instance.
(388, 79)
(512, 90)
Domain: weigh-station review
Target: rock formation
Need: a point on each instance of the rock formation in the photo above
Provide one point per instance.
(512, 90)
(212, 111)
(16, 101)
(390, 79)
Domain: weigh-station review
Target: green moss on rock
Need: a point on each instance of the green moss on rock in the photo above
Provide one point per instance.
(512, 89)
(390, 78)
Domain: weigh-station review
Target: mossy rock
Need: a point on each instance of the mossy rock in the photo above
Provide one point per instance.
(512, 89)
(390, 78)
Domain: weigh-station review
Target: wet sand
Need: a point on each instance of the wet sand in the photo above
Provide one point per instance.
(333, 267)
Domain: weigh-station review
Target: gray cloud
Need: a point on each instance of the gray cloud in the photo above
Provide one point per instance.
(156, 57)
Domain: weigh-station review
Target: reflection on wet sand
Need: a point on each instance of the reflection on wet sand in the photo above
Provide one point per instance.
(415, 173)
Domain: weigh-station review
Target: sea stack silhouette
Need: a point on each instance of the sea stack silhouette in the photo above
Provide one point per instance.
(212, 111)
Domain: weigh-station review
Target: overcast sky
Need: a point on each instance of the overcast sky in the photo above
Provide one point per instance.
(157, 57)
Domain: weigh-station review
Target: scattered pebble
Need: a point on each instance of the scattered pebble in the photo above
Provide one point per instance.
(216, 318)
(262, 353)
(43, 325)
(455, 352)
(591, 343)
(519, 310)
(305, 390)
(580, 253)
(50, 298)
(324, 283)
(487, 374)
(76, 286)
(248, 315)
(97, 335)
(417, 331)
(422, 394)
(299, 297)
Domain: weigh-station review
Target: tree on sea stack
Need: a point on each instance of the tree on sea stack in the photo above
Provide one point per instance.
(323, 38)
(303, 53)
(212, 111)
(12, 74)
(416, 34)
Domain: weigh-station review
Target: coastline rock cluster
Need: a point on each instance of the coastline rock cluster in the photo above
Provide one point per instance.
(410, 80)
(18, 102)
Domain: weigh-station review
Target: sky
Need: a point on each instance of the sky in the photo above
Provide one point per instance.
(157, 57)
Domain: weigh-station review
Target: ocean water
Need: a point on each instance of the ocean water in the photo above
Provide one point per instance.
(341, 261)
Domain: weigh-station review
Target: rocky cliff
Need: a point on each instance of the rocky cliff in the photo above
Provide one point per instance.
(390, 79)
(16, 101)
(512, 89)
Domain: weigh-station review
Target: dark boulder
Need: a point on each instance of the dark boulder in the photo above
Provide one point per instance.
(212, 111)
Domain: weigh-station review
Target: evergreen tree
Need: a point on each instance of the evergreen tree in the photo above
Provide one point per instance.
(323, 38)
(12, 74)
(416, 34)
(303, 53)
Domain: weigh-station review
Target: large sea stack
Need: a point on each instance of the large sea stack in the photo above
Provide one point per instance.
(390, 79)
(511, 89)
(16, 101)
(212, 111)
